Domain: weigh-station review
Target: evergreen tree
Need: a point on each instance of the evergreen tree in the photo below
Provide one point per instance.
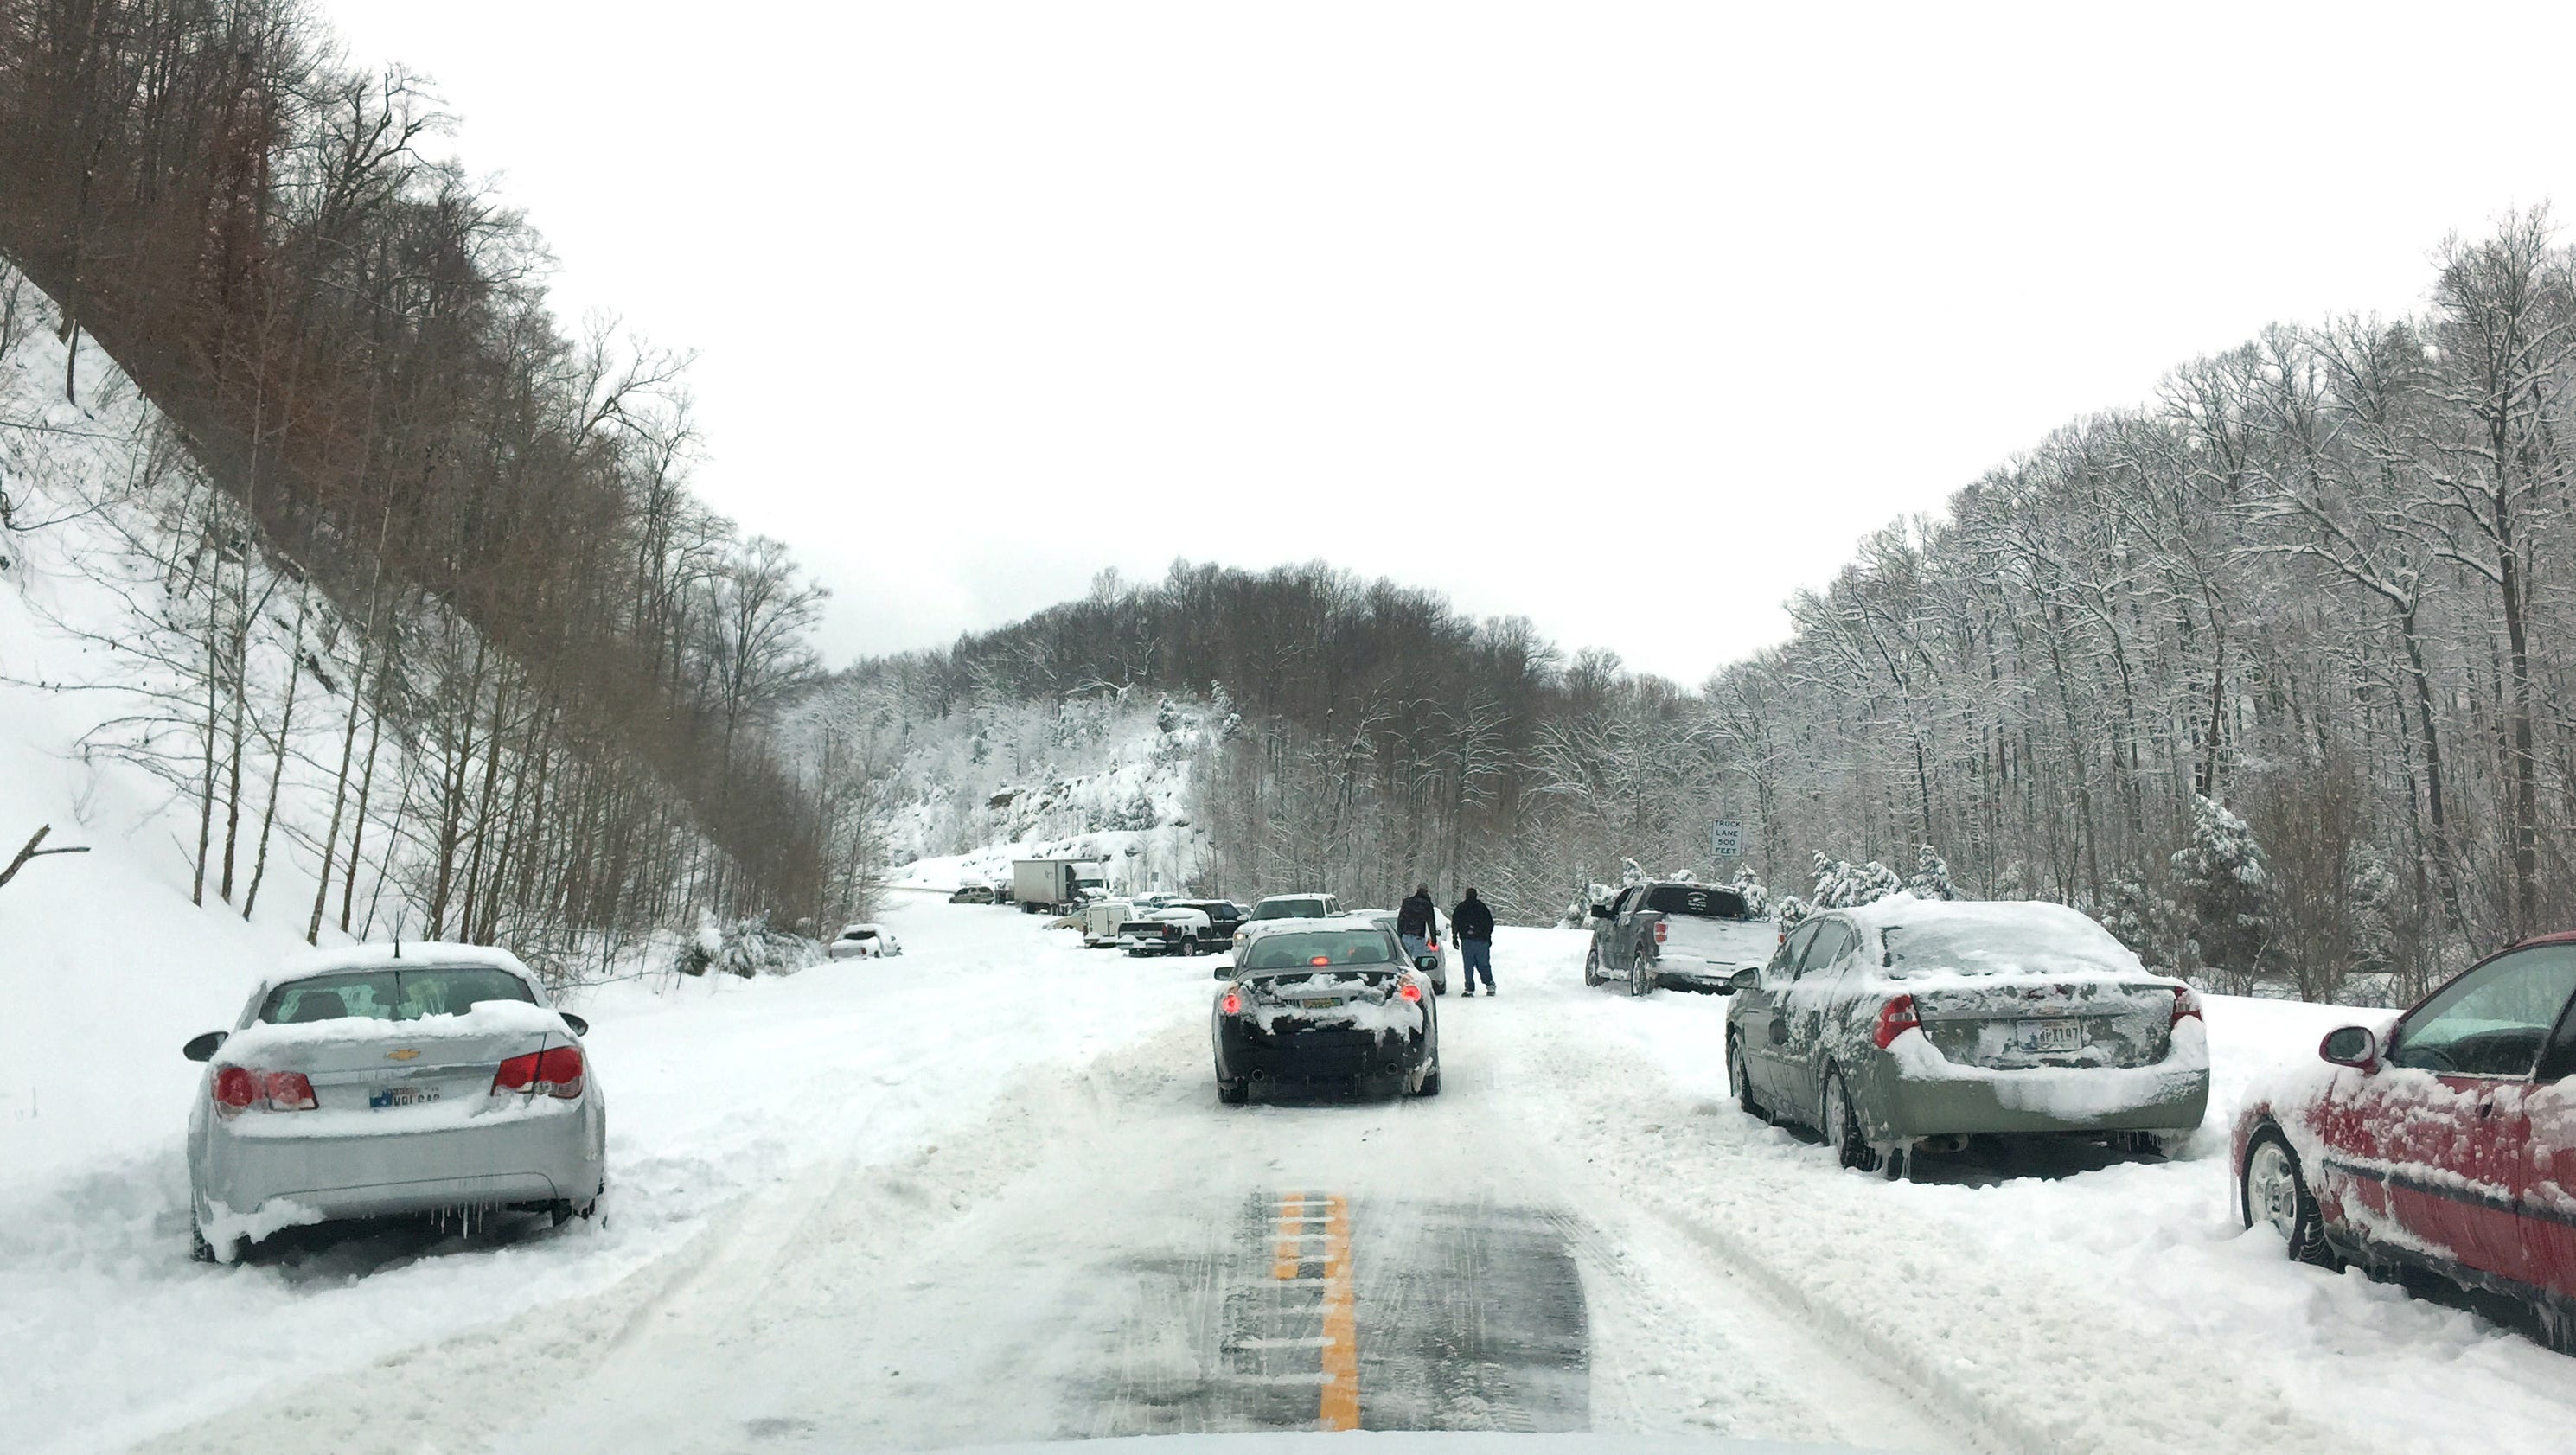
(2222, 889)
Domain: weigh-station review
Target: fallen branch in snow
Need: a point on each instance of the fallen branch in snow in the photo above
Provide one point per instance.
(32, 852)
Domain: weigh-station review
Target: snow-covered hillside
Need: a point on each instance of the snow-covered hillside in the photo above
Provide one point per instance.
(106, 954)
(1106, 774)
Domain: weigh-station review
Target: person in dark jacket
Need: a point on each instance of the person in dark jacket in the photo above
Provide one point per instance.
(1473, 924)
(1417, 922)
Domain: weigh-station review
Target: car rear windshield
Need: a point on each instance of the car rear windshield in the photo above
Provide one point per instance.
(1290, 909)
(391, 995)
(2011, 940)
(1687, 899)
(1322, 947)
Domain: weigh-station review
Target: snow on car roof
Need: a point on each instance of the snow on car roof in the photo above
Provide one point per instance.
(1301, 894)
(398, 955)
(1988, 936)
(1260, 927)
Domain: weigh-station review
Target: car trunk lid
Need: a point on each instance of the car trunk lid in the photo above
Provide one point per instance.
(2022, 1023)
(362, 1064)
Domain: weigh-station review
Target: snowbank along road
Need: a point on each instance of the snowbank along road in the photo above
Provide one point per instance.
(985, 1193)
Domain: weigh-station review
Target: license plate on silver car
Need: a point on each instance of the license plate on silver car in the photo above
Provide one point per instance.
(384, 1096)
(2065, 1035)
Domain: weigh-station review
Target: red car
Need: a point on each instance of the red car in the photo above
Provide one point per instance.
(2446, 1144)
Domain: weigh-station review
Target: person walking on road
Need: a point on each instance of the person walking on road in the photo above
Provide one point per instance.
(1473, 924)
(1417, 921)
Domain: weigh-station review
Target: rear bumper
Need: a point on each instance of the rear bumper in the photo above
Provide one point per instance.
(2144, 1099)
(1244, 1052)
(498, 1160)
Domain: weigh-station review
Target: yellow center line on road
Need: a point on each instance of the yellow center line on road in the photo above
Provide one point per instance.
(1341, 1403)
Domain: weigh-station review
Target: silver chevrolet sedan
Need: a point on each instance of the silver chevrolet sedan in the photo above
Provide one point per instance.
(393, 1079)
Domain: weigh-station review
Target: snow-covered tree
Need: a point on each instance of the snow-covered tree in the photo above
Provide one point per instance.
(2223, 891)
(1757, 898)
(1931, 876)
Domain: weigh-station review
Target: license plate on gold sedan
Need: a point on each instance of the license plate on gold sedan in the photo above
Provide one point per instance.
(2043, 1036)
(1326, 1003)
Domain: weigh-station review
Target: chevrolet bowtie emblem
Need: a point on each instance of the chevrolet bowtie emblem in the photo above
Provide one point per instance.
(405, 1054)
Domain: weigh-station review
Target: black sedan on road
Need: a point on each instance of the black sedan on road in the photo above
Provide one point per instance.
(1336, 1005)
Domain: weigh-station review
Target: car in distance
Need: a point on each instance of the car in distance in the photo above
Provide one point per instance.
(2445, 1142)
(1332, 1003)
(1911, 1024)
(972, 894)
(392, 1079)
(1385, 919)
(1685, 935)
(1287, 906)
(863, 942)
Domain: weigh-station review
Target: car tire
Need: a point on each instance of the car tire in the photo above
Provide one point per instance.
(199, 1250)
(2285, 1201)
(1190, 946)
(1641, 975)
(1840, 1122)
(1233, 1093)
(1592, 966)
(1430, 1083)
(1739, 1077)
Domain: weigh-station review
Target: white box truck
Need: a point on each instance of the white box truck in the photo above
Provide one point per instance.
(1055, 886)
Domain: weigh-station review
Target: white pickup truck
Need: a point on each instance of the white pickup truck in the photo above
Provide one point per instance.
(1687, 936)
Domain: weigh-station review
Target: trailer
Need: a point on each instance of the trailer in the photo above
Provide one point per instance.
(1056, 885)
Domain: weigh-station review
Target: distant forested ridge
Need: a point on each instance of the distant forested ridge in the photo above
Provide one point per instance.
(1361, 735)
(489, 518)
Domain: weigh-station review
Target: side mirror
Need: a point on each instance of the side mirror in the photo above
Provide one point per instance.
(1426, 962)
(1740, 980)
(1600, 911)
(2352, 1046)
(579, 1026)
(1224, 972)
(203, 1048)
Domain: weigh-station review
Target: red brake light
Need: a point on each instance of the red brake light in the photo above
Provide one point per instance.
(290, 1091)
(1894, 1019)
(1232, 1004)
(235, 1089)
(239, 1088)
(1321, 960)
(2187, 1005)
(554, 1073)
(1659, 932)
(1409, 991)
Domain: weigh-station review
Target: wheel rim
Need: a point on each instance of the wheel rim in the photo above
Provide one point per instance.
(2272, 1188)
(1735, 1079)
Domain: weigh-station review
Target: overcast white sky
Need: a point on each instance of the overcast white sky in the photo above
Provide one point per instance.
(1627, 318)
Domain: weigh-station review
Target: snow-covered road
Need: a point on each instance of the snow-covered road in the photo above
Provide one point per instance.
(985, 1194)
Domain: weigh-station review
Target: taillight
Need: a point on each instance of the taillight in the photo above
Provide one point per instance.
(1321, 960)
(235, 1088)
(1659, 932)
(239, 1088)
(554, 1073)
(1232, 1004)
(290, 1091)
(1409, 990)
(2187, 1005)
(1894, 1019)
